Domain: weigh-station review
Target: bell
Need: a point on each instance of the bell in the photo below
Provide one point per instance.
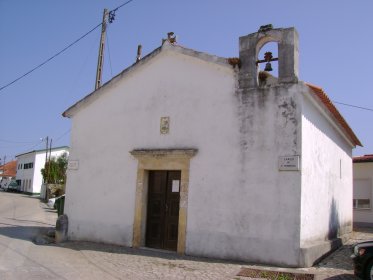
(268, 67)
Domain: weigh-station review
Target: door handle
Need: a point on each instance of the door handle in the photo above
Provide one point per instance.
(166, 207)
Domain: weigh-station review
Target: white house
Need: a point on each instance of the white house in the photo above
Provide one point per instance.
(363, 185)
(29, 167)
(209, 157)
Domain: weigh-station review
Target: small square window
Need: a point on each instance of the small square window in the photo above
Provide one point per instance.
(361, 203)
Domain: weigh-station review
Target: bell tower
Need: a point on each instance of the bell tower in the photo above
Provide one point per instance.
(288, 55)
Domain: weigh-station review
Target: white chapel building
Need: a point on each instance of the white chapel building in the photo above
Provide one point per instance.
(210, 157)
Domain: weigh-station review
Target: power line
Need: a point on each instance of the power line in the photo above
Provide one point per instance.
(111, 18)
(117, 8)
(39, 142)
(59, 137)
(359, 107)
(16, 142)
(49, 59)
(77, 76)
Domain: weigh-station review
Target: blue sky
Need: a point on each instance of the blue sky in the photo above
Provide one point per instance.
(335, 53)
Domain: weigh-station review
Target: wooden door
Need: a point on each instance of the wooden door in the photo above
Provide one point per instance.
(163, 209)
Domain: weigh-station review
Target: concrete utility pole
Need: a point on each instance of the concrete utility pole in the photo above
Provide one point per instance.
(46, 151)
(49, 159)
(100, 62)
(45, 167)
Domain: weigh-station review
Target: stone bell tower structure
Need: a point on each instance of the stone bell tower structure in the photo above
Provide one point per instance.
(290, 154)
(288, 55)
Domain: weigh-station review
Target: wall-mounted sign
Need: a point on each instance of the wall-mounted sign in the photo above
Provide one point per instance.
(288, 163)
(175, 185)
(73, 165)
(165, 125)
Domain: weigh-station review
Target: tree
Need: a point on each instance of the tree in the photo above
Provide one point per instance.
(54, 171)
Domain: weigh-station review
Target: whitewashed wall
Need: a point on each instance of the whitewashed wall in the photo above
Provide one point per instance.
(194, 94)
(326, 178)
(363, 176)
(254, 214)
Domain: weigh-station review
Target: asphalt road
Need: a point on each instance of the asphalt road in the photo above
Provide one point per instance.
(22, 220)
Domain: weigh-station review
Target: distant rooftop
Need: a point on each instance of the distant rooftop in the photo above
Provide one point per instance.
(8, 169)
(364, 158)
(43, 150)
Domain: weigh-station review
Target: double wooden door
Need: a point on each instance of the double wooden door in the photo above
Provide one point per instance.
(163, 209)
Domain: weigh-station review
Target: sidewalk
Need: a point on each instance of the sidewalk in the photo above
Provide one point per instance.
(119, 262)
(128, 263)
(338, 265)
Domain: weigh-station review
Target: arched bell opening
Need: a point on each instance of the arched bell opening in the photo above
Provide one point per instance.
(267, 63)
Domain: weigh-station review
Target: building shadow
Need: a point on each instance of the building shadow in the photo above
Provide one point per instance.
(28, 233)
(144, 252)
(343, 276)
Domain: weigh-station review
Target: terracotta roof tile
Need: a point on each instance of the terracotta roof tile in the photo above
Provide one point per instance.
(9, 169)
(365, 158)
(335, 113)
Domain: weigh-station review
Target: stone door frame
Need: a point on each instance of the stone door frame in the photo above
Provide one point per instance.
(160, 159)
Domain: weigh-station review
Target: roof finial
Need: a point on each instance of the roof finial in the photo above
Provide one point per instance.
(171, 37)
(265, 28)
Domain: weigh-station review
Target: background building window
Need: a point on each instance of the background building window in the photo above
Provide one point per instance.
(361, 203)
(362, 194)
(28, 165)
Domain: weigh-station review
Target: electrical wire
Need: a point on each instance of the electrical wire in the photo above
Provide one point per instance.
(63, 50)
(117, 8)
(16, 142)
(52, 57)
(354, 106)
(78, 75)
(59, 137)
(40, 142)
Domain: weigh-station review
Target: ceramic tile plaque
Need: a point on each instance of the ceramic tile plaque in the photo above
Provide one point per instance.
(288, 163)
(165, 125)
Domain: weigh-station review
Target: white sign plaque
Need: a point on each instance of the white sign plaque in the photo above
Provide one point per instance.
(73, 165)
(175, 185)
(288, 163)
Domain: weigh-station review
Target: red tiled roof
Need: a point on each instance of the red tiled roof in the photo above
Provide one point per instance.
(365, 158)
(9, 169)
(335, 113)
